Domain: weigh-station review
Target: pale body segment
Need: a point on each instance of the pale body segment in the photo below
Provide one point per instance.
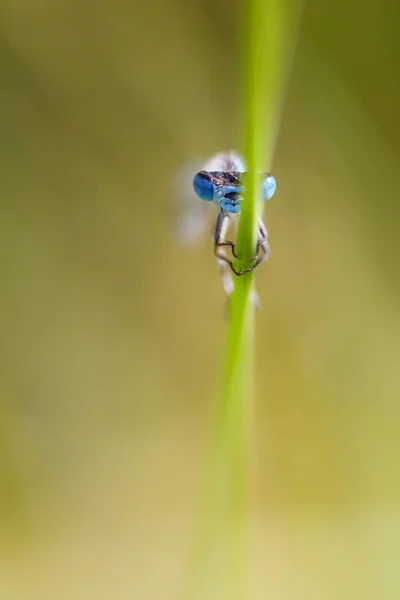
(220, 182)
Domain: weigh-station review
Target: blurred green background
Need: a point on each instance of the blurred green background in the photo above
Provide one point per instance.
(111, 337)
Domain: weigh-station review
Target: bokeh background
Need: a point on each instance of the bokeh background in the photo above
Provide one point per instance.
(111, 336)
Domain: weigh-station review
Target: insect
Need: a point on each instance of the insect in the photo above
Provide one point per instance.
(220, 182)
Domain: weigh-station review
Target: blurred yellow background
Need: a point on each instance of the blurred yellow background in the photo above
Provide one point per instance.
(111, 336)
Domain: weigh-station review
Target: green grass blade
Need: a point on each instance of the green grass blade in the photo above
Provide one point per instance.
(222, 567)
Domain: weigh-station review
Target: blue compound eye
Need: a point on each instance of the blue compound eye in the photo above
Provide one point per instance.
(269, 186)
(203, 186)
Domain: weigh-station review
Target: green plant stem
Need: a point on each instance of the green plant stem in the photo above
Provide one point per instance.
(223, 555)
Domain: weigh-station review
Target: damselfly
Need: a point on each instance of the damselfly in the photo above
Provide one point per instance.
(220, 182)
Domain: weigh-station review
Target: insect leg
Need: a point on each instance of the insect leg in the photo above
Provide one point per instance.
(220, 232)
(219, 244)
(232, 247)
(262, 244)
